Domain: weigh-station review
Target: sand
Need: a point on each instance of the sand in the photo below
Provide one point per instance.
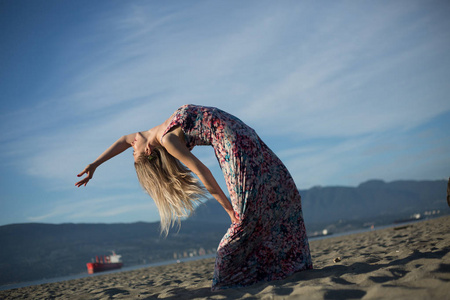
(404, 262)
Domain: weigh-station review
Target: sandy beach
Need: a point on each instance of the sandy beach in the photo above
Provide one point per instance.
(403, 262)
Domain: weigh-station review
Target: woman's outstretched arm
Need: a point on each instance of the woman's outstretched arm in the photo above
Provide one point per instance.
(118, 147)
(177, 149)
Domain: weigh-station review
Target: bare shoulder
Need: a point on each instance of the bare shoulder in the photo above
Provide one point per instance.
(175, 134)
(174, 143)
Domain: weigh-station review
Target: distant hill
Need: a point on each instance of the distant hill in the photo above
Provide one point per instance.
(374, 201)
(34, 251)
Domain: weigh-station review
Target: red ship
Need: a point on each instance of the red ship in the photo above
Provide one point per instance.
(105, 263)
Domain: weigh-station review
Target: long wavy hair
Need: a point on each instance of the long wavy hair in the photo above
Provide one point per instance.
(171, 185)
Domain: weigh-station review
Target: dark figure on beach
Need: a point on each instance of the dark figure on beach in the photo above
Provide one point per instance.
(448, 192)
(267, 238)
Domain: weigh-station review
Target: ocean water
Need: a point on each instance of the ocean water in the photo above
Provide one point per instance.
(162, 263)
(85, 274)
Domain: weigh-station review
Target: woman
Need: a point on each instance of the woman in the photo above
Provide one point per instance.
(267, 238)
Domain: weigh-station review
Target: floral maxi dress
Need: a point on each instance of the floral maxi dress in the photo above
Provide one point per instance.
(269, 242)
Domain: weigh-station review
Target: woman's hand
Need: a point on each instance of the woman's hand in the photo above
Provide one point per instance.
(89, 171)
(234, 218)
(118, 147)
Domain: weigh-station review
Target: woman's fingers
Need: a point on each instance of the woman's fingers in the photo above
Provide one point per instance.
(82, 182)
(89, 171)
(84, 171)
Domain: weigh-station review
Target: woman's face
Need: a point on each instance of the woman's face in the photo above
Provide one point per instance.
(140, 146)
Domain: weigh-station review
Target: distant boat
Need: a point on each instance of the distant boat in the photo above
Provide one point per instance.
(105, 263)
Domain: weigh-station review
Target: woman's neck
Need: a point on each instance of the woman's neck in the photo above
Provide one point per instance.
(151, 136)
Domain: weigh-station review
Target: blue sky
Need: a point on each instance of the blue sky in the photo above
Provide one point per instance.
(342, 91)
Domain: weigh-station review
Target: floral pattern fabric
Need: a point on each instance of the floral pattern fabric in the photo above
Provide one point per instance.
(269, 242)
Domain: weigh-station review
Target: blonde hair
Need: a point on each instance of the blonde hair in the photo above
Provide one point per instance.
(171, 185)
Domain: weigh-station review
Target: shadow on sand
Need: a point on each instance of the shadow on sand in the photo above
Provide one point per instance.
(348, 289)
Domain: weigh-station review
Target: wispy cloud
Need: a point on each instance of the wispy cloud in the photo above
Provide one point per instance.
(345, 87)
(357, 81)
(99, 209)
(330, 82)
